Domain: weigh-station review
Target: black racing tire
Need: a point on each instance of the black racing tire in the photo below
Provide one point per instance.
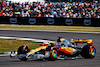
(21, 51)
(88, 51)
(23, 59)
(53, 55)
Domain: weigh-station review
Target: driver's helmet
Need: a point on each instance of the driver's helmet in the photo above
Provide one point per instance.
(65, 43)
(58, 40)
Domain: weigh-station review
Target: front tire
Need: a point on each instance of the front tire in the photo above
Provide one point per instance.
(23, 59)
(53, 55)
(23, 52)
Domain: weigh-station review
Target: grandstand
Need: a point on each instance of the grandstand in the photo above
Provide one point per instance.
(53, 0)
(33, 8)
(27, 0)
(73, 0)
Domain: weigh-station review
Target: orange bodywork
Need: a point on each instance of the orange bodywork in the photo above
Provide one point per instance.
(66, 50)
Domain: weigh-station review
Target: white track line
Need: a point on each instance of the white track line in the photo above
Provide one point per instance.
(18, 38)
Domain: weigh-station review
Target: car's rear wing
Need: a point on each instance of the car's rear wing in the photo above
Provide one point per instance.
(88, 41)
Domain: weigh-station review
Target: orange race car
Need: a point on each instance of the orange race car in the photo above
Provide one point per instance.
(62, 49)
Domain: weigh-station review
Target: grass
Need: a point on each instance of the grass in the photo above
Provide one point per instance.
(51, 27)
(7, 45)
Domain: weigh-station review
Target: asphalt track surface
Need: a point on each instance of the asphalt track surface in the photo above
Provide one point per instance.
(8, 62)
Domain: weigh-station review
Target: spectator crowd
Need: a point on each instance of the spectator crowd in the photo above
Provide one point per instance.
(48, 9)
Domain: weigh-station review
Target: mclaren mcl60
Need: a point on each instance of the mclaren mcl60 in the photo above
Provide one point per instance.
(62, 48)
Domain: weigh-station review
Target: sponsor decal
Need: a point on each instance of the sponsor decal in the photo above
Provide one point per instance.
(13, 20)
(50, 21)
(32, 20)
(87, 22)
(69, 21)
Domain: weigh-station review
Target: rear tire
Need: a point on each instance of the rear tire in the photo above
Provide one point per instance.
(88, 51)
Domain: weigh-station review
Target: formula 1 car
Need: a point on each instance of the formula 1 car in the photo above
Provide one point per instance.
(56, 50)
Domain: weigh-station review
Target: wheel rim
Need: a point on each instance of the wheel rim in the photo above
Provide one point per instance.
(54, 53)
(92, 51)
